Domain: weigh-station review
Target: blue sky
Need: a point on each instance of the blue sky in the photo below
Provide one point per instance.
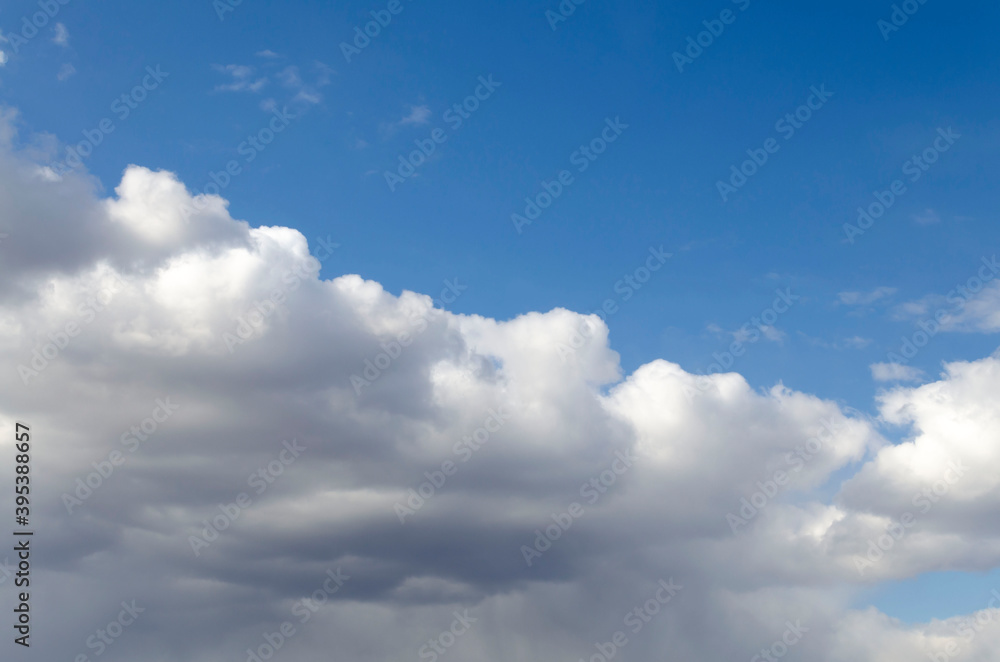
(655, 185)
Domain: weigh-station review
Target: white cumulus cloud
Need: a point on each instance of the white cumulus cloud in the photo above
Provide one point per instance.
(115, 309)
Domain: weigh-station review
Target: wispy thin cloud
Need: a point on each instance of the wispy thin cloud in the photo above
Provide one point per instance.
(895, 372)
(415, 115)
(62, 35)
(926, 217)
(306, 93)
(854, 342)
(865, 298)
(746, 334)
(243, 78)
(289, 76)
(418, 115)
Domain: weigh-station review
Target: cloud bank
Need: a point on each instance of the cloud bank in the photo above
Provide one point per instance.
(204, 455)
